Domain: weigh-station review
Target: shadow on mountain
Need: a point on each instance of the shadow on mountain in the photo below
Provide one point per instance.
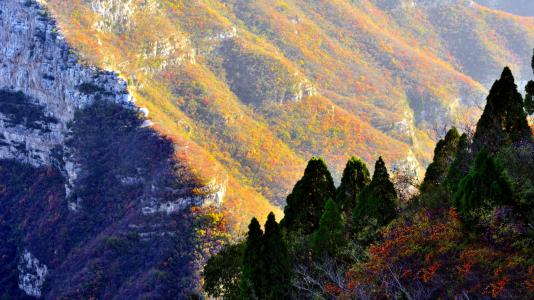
(95, 242)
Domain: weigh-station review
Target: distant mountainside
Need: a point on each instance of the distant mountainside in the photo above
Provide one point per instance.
(260, 86)
(519, 7)
(123, 121)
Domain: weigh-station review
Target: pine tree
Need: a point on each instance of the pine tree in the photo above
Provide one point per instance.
(252, 274)
(378, 200)
(306, 202)
(485, 187)
(503, 121)
(277, 280)
(529, 89)
(460, 166)
(330, 235)
(529, 98)
(443, 157)
(355, 177)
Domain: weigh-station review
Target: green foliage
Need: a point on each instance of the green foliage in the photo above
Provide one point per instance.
(520, 169)
(484, 188)
(330, 235)
(306, 202)
(252, 275)
(443, 157)
(378, 200)
(266, 267)
(355, 178)
(277, 272)
(529, 98)
(222, 272)
(503, 121)
(461, 164)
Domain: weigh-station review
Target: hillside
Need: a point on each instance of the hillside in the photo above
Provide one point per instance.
(257, 87)
(518, 7)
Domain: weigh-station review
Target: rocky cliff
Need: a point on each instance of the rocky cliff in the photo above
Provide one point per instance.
(87, 187)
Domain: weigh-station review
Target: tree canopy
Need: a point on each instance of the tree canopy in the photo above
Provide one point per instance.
(330, 235)
(485, 187)
(306, 202)
(503, 121)
(444, 155)
(355, 178)
(379, 199)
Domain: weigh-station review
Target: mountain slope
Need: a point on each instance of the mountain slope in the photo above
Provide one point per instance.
(261, 86)
(518, 7)
(218, 64)
(93, 202)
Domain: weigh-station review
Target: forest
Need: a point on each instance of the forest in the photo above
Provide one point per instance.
(465, 232)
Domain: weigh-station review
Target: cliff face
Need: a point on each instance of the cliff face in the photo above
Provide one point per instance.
(87, 187)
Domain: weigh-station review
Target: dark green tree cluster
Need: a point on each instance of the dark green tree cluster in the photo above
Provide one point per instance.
(378, 200)
(222, 273)
(503, 121)
(330, 236)
(529, 89)
(306, 202)
(461, 164)
(355, 178)
(444, 155)
(503, 127)
(266, 267)
(485, 187)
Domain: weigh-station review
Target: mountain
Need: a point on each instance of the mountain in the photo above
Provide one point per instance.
(258, 87)
(518, 7)
(124, 121)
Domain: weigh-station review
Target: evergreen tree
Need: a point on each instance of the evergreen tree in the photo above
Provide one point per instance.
(330, 235)
(306, 202)
(356, 176)
(529, 98)
(503, 121)
(252, 274)
(443, 157)
(277, 280)
(222, 272)
(378, 200)
(460, 166)
(485, 187)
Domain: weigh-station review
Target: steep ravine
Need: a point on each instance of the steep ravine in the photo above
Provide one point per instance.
(93, 201)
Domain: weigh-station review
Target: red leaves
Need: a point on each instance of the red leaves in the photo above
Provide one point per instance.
(429, 273)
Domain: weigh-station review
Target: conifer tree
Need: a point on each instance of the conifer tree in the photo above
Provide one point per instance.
(485, 187)
(330, 235)
(460, 166)
(252, 274)
(306, 202)
(378, 200)
(444, 155)
(503, 121)
(277, 280)
(529, 98)
(529, 89)
(355, 177)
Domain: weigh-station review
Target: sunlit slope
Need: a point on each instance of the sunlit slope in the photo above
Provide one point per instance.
(251, 89)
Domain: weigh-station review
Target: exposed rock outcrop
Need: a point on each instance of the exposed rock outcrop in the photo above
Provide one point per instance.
(88, 167)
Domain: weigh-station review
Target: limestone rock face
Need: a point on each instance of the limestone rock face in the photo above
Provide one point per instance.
(36, 60)
(81, 167)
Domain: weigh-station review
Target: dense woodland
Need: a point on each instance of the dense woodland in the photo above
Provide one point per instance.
(465, 232)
